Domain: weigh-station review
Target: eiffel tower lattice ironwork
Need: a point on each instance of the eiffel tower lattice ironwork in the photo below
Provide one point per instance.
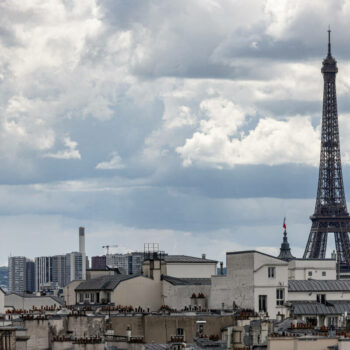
(331, 214)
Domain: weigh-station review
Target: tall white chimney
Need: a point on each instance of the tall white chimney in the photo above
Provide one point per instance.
(82, 250)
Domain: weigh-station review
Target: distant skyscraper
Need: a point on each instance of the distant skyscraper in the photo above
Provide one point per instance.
(118, 260)
(17, 274)
(74, 267)
(98, 262)
(43, 271)
(59, 270)
(82, 250)
(135, 262)
(30, 276)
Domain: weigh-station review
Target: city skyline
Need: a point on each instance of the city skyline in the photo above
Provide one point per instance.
(194, 124)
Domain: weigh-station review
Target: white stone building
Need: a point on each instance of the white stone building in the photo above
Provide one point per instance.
(253, 280)
(317, 269)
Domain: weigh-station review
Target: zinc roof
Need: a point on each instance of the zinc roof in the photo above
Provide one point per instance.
(315, 308)
(187, 281)
(186, 259)
(318, 285)
(104, 282)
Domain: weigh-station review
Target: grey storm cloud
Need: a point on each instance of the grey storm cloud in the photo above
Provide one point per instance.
(167, 121)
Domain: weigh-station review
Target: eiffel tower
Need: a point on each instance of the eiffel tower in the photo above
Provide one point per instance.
(331, 214)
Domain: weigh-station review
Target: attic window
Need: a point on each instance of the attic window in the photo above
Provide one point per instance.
(321, 298)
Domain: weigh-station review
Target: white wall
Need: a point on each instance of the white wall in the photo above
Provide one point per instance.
(265, 285)
(299, 269)
(312, 296)
(69, 292)
(247, 278)
(191, 270)
(177, 297)
(236, 286)
(139, 291)
(2, 301)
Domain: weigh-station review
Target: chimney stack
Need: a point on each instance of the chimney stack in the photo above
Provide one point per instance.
(82, 251)
(221, 268)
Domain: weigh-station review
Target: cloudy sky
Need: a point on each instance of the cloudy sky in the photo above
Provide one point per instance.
(192, 123)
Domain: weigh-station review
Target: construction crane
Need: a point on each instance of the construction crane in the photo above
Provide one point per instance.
(109, 246)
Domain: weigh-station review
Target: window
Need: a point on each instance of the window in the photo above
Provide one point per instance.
(81, 297)
(332, 321)
(321, 298)
(309, 273)
(262, 303)
(323, 273)
(271, 272)
(279, 296)
(108, 297)
(179, 332)
(87, 295)
(97, 297)
(92, 297)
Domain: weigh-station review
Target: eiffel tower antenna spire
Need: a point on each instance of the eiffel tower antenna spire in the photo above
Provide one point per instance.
(329, 41)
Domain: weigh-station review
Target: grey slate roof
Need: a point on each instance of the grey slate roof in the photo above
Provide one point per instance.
(104, 282)
(187, 281)
(315, 308)
(186, 259)
(319, 286)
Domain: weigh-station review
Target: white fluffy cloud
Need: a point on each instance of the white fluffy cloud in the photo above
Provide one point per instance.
(272, 142)
(115, 162)
(71, 151)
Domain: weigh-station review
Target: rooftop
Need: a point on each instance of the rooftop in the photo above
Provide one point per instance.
(33, 296)
(254, 251)
(187, 281)
(104, 282)
(186, 259)
(318, 285)
(315, 308)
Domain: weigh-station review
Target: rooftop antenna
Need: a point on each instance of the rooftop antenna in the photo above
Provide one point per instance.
(329, 40)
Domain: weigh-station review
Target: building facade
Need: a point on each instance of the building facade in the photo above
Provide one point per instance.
(30, 276)
(118, 260)
(254, 281)
(59, 270)
(43, 271)
(74, 267)
(17, 273)
(98, 262)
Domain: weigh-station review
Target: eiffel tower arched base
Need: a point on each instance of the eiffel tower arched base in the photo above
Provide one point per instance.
(317, 242)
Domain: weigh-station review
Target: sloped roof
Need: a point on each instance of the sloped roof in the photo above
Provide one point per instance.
(319, 286)
(186, 259)
(315, 308)
(104, 282)
(33, 296)
(187, 281)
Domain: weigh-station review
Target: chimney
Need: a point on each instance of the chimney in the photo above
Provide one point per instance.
(203, 256)
(82, 251)
(221, 268)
